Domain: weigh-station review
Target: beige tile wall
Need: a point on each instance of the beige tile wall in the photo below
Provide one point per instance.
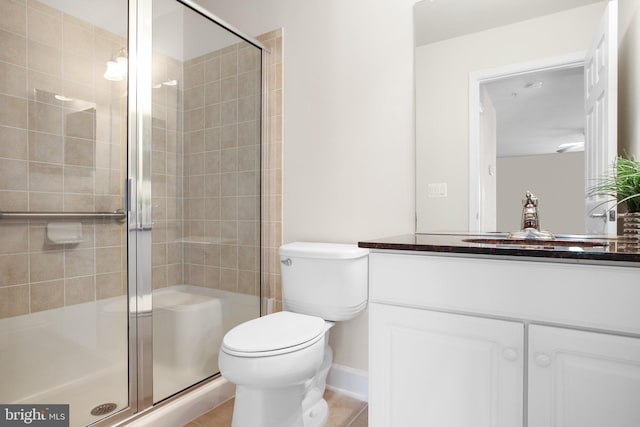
(71, 155)
(217, 204)
(167, 172)
(222, 169)
(58, 155)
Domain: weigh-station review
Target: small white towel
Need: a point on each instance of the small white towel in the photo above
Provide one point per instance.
(61, 233)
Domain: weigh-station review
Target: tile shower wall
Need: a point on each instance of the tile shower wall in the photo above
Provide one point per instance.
(62, 148)
(73, 158)
(206, 185)
(222, 181)
(167, 172)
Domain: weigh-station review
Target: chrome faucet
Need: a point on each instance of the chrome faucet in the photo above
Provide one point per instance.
(530, 221)
(530, 212)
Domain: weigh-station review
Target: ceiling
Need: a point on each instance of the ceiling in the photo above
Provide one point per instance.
(538, 112)
(178, 31)
(436, 20)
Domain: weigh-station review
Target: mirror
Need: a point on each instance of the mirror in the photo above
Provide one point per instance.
(458, 38)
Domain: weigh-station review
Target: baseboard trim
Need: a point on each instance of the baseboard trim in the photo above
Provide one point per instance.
(349, 381)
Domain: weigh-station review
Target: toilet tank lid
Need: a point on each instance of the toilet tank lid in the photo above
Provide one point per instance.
(322, 250)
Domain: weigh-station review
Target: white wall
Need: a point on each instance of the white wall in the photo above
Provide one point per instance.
(442, 81)
(558, 182)
(348, 150)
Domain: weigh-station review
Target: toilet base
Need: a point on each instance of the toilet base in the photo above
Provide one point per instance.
(317, 416)
(278, 407)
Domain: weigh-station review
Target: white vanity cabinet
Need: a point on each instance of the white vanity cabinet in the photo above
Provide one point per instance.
(475, 342)
(448, 369)
(584, 379)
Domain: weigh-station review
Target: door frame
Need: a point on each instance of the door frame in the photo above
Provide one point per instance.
(476, 78)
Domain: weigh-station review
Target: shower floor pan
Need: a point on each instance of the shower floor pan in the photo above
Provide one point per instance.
(78, 354)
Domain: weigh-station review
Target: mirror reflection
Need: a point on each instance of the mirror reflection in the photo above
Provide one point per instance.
(527, 64)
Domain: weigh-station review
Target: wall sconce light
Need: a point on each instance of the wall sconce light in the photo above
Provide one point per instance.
(123, 64)
(117, 67)
(113, 71)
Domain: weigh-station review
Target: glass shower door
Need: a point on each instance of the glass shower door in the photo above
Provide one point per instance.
(77, 324)
(63, 244)
(205, 186)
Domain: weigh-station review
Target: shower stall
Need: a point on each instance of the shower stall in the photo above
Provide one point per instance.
(131, 137)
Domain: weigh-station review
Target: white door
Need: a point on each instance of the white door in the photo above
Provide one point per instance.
(583, 379)
(601, 106)
(445, 370)
(488, 137)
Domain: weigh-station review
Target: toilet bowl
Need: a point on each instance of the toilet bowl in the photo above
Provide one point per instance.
(279, 362)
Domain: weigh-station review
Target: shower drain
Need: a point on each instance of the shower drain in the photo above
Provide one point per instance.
(103, 409)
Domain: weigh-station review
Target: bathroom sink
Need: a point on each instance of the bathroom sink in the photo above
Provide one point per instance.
(539, 243)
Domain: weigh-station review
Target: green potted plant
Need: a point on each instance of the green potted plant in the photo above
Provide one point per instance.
(623, 185)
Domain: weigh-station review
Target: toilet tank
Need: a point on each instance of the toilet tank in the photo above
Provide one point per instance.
(327, 280)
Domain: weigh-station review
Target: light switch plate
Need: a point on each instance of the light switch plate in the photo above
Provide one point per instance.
(437, 189)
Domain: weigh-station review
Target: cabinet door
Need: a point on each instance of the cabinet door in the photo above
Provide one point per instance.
(435, 369)
(583, 379)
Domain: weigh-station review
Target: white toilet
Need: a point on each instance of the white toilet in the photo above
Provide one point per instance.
(280, 362)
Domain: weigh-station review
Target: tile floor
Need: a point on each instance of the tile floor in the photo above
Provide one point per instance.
(343, 412)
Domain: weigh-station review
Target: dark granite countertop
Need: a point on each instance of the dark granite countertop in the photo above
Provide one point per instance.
(606, 249)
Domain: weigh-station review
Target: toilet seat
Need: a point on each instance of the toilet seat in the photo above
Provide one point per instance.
(277, 333)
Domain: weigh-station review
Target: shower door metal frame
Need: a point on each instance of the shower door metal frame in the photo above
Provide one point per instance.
(138, 202)
(140, 210)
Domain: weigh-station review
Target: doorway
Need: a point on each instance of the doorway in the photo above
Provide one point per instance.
(599, 62)
(523, 118)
